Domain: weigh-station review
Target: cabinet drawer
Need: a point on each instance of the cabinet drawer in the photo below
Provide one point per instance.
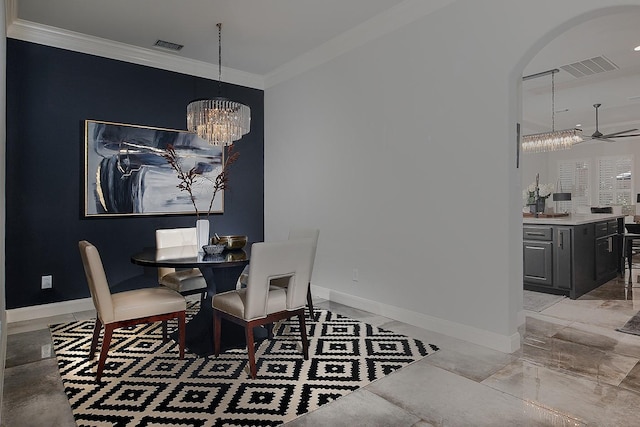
(602, 229)
(537, 233)
(612, 227)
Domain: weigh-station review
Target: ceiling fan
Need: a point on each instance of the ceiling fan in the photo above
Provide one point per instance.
(607, 138)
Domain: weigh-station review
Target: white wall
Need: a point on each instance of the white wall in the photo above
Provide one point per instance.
(403, 153)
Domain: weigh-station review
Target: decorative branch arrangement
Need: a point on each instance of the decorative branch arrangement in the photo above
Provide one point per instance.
(190, 178)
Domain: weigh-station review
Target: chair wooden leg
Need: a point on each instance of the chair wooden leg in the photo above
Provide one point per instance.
(94, 340)
(181, 332)
(251, 350)
(216, 332)
(303, 335)
(310, 302)
(106, 341)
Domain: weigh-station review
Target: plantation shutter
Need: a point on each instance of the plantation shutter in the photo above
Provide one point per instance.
(574, 178)
(615, 181)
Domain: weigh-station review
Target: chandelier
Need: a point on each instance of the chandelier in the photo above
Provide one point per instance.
(218, 120)
(554, 140)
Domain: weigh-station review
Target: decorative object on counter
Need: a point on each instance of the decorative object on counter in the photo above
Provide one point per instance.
(554, 140)
(219, 120)
(231, 242)
(560, 196)
(536, 195)
(213, 249)
(195, 177)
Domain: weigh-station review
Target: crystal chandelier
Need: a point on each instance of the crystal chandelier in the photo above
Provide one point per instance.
(219, 120)
(554, 140)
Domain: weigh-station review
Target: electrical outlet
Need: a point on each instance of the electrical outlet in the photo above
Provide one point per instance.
(355, 275)
(47, 282)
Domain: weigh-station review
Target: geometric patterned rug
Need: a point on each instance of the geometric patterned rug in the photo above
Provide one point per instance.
(144, 383)
(632, 326)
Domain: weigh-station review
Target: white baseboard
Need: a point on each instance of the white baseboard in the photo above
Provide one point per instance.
(503, 343)
(48, 310)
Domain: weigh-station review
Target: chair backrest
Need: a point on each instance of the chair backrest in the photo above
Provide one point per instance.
(172, 237)
(272, 260)
(97, 280)
(306, 233)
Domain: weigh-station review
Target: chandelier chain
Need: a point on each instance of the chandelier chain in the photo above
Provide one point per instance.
(219, 25)
(553, 102)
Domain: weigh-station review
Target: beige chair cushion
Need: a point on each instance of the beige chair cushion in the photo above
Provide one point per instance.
(126, 305)
(183, 280)
(233, 302)
(146, 302)
(184, 241)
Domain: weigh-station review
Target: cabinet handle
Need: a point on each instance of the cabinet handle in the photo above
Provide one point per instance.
(610, 244)
(561, 239)
(531, 233)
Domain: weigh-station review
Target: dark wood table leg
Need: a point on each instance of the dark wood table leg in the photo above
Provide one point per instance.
(200, 329)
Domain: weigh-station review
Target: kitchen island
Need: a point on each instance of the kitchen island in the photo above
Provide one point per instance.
(571, 255)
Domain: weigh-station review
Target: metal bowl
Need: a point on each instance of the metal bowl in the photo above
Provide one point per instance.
(232, 242)
(215, 249)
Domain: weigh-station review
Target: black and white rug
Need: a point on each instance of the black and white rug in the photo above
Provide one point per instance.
(146, 384)
(632, 326)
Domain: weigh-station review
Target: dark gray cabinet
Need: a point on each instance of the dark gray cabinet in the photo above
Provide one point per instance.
(562, 266)
(606, 250)
(547, 256)
(538, 255)
(570, 259)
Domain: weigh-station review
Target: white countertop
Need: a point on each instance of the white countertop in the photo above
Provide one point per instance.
(572, 219)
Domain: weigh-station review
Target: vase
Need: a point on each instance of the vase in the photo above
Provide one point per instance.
(540, 205)
(202, 233)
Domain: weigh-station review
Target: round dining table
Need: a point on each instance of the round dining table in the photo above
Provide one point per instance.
(221, 273)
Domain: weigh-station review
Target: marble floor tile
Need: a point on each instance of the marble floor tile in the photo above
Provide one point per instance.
(576, 397)
(35, 324)
(27, 347)
(603, 339)
(360, 408)
(34, 396)
(580, 312)
(442, 398)
(543, 326)
(476, 366)
(579, 359)
(85, 315)
(632, 381)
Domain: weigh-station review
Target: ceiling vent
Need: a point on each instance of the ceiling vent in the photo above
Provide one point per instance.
(168, 45)
(596, 65)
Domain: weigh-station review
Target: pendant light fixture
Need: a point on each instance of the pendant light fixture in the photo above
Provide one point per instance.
(554, 140)
(219, 120)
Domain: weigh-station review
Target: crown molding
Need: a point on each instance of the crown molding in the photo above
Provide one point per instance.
(77, 42)
(398, 16)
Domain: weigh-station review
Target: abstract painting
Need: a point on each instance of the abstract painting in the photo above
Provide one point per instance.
(126, 173)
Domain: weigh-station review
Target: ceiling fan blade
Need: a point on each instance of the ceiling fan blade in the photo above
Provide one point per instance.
(625, 136)
(614, 134)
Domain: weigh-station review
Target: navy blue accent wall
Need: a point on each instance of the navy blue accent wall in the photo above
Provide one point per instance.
(50, 92)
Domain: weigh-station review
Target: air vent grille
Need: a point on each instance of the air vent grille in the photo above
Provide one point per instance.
(168, 45)
(596, 65)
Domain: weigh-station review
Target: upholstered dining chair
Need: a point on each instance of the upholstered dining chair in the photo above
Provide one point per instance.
(294, 233)
(259, 303)
(186, 282)
(127, 308)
